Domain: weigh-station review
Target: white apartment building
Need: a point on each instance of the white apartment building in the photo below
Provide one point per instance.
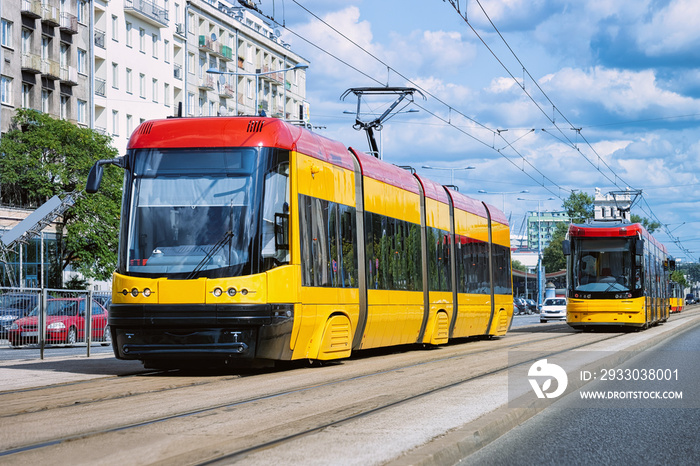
(112, 64)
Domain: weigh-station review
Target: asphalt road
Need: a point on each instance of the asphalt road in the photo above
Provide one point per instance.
(630, 431)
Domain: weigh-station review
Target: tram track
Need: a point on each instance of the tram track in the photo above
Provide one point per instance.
(352, 410)
(165, 381)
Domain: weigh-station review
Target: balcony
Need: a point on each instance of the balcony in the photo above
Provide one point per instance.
(31, 62)
(50, 69)
(69, 23)
(147, 11)
(69, 75)
(50, 15)
(31, 8)
(206, 44)
(177, 72)
(226, 90)
(222, 51)
(206, 82)
(99, 39)
(100, 86)
(180, 29)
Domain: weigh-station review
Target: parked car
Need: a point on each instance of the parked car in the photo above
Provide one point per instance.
(690, 299)
(553, 309)
(519, 306)
(14, 306)
(65, 323)
(532, 306)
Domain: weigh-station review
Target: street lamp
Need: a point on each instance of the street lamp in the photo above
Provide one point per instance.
(539, 248)
(524, 191)
(214, 70)
(452, 171)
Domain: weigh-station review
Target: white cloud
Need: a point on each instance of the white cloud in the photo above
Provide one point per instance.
(672, 29)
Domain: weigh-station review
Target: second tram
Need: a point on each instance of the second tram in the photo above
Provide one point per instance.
(618, 275)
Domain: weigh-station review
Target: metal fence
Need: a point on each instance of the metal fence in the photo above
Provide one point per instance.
(40, 320)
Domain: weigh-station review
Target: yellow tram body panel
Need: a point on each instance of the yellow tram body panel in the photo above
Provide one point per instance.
(385, 199)
(628, 312)
(320, 179)
(393, 318)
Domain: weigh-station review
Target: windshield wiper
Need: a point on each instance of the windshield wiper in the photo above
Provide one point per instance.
(219, 244)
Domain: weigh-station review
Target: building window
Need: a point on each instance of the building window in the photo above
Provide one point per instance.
(82, 112)
(249, 88)
(115, 123)
(190, 23)
(65, 102)
(115, 28)
(129, 124)
(46, 101)
(26, 95)
(142, 85)
(166, 51)
(82, 61)
(128, 34)
(155, 90)
(166, 94)
(249, 53)
(6, 33)
(82, 11)
(26, 40)
(155, 45)
(190, 102)
(45, 47)
(129, 87)
(142, 40)
(190, 62)
(6, 90)
(115, 75)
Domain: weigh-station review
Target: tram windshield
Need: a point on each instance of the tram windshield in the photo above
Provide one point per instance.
(193, 211)
(604, 265)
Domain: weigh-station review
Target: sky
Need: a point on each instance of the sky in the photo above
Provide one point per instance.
(543, 96)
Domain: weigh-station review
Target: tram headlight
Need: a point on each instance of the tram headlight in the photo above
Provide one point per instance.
(232, 291)
(147, 292)
(244, 292)
(218, 292)
(134, 292)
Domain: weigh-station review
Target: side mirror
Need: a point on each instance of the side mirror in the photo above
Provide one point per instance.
(95, 176)
(566, 247)
(639, 247)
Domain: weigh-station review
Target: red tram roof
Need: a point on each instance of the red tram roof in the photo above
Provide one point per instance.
(387, 173)
(434, 190)
(613, 231)
(238, 132)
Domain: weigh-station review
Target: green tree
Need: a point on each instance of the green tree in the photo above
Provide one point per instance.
(60, 155)
(553, 257)
(650, 225)
(579, 207)
(517, 265)
(678, 277)
(691, 270)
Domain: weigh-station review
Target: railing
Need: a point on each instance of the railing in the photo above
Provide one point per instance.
(31, 62)
(38, 314)
(31, 8)
(50, 15)
(99, 39)
(50, 69)
(148, 11)
(100, 86)
(206, 82)
(69, 75)
(69, 23)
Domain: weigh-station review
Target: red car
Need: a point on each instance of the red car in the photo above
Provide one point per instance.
(65, 323)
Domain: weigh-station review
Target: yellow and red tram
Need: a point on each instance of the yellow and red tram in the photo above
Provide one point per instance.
(676, 300)
(247, 238)
(618, 275)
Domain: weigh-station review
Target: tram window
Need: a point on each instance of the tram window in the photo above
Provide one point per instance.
(328, 242)
(275, 208)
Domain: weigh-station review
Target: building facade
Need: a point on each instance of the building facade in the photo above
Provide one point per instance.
(112, 64)
(542, 225)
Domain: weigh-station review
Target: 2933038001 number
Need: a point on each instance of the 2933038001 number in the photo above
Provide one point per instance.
(639, 374)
